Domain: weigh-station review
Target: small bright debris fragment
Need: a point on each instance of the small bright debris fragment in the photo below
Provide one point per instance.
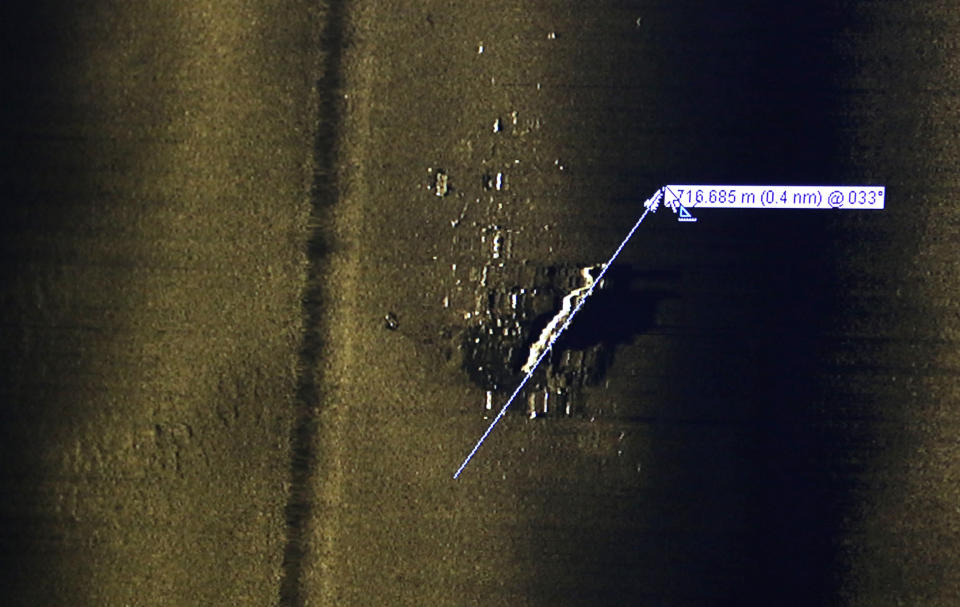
(441, 184)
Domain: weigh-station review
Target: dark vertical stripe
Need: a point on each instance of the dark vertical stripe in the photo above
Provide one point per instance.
(324, 194)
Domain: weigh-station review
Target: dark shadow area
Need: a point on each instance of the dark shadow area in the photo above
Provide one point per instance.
(744, 506)
(763, 99)
(757, 84)
(616, 315)
(34, 41)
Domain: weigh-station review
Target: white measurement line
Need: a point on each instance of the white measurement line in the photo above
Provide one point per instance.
(651, 206)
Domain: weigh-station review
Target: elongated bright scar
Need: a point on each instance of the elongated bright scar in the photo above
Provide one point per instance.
(552, 336)
(570, 302)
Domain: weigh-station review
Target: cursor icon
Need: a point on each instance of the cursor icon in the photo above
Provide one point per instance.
(673, 201)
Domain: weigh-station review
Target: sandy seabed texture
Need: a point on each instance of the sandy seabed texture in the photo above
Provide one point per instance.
(247, 246)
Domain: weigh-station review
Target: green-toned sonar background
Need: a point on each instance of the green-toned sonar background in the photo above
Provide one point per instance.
(209, 208)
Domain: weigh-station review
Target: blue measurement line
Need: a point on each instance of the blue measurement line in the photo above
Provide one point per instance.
(651, 205)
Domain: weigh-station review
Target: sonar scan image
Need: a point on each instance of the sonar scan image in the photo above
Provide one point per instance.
(321, 303)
